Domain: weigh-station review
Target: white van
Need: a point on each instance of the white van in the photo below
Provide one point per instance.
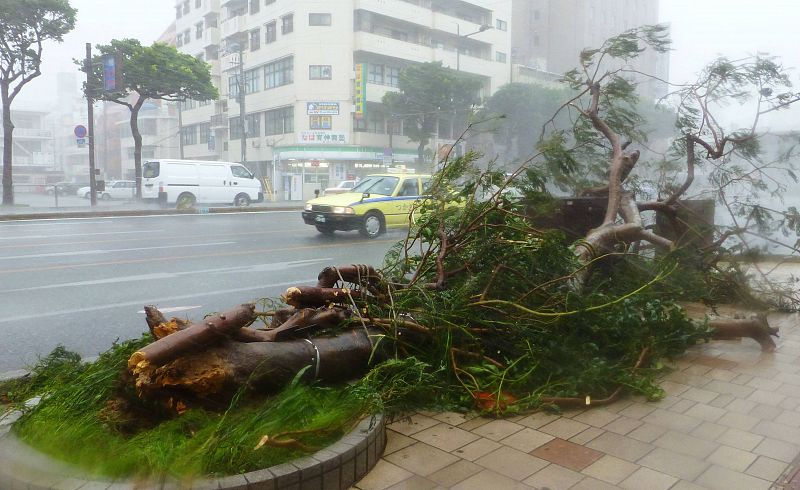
(184, 183)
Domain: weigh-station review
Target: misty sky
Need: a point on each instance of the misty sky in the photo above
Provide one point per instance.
(701, 29)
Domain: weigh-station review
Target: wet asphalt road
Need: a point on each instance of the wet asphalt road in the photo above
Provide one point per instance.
(83, 282)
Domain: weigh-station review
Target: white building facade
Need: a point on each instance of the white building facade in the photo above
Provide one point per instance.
(314, 73)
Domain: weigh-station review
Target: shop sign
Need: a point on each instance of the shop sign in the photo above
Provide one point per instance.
(360, 98)
(321, 137)
(322, 108)
(320, 122)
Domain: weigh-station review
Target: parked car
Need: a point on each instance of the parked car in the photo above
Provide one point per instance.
(341, 188)
(119, 189)
(378, 202)
(65, 188)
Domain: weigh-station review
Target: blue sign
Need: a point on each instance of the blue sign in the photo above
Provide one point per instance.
(80, 131)
(110, 73)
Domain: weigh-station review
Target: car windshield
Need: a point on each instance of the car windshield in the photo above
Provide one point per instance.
(377, 185)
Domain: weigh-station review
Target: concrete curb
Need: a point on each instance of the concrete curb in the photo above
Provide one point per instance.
(336, 467)
(143, 212)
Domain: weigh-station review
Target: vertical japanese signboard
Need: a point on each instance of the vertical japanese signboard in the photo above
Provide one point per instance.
(360, 98)
(112, 72)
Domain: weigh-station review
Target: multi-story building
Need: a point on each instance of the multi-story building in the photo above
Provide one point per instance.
(549, 35)
(33, 158)
(69, 112)
(314, 72)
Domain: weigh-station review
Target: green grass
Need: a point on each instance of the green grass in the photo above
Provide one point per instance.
(68, 424)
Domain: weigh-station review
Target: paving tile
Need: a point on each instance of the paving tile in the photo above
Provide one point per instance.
(765, 384)
(567, 454)
(416, 482)
(538, 419)
(790, 403)
(497, 429)
(413, 424)
(740, 405)
(512, 463)
(767, 398)
(455, 473)
(705, 412)
(396, 441)
(767, 412)
(637, 410)
(647, 432)
(671, 420)
(590, 483)
(445, 437)
(699, 395)
(583, 437)
(697, 368)
(620, 446)
(775, 449)
(475, 450)
(675, 464)
(682, 405)
(729, 388)
(722, 374)
(732, 458)
(685, 485)
(708, 431)
(766, 468)
(610, 469)
(738, 421)
(421, 459)
(596, 417)
(553, 477)
(685, 444)
(740, 439)
(474, 423)
(452, 418)
(788, 417)
(487, 479)
(722, 401)
(649, 479)
(527, 439)
(622, 425)
(717, 477)
(564, 428)
(742, 379)
(777, 431)
(383, 475)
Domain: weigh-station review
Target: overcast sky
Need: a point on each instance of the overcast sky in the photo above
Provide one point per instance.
(701, 30)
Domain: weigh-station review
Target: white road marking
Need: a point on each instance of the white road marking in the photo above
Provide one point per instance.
(148, 301)
(28, 222)
(174, 309)
(78, 234)
(111, 251)
(157, 276)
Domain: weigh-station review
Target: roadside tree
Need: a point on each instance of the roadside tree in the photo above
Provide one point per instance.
(428, 93)
(24, 26)
(150, 72)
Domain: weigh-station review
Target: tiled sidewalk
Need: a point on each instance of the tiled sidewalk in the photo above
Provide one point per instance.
(730, 420)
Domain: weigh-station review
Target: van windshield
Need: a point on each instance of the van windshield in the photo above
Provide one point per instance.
(150, 170)
(377, 185)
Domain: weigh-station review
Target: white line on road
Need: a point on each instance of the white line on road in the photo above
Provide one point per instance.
(149, 301)
(77, 234)
(269, 267)
(100, 252)
(52, 221)
(174, 309)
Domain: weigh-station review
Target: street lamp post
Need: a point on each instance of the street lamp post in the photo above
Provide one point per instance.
(482, 28)
(240, 98)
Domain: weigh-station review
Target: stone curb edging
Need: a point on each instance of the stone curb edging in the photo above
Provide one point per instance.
(336, 467)
(143, 212)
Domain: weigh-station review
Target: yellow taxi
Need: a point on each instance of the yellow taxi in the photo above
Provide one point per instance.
(377, 202)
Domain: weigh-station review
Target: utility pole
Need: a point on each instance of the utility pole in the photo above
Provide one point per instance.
(90, 117)
(242, 111)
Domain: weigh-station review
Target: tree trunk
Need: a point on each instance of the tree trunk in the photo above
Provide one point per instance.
(755, 328)
(8, 140)
(137, 146)
(215, 374)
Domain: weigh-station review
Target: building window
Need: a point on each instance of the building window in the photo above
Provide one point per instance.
(233, 87)
(319, 19)
(255, 39)
(148, 127)
(204, 132)
(279, 73)
(287, 24)
(500, 56)
(187, 36)
(198, 30)
(179, 40)
(255, 6)
(279, 121)
(178, 12)
(252, 81)
(253, 122)
(270, 32)
(536, 15)
(392, 76)
(186, 7)
(375, 74)
(536, 40)
(235, 128)
(269, 2)
(501, 25)
(319, 72)
(188, 104)
(198, 4)
(189, 135)
(373, 123)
